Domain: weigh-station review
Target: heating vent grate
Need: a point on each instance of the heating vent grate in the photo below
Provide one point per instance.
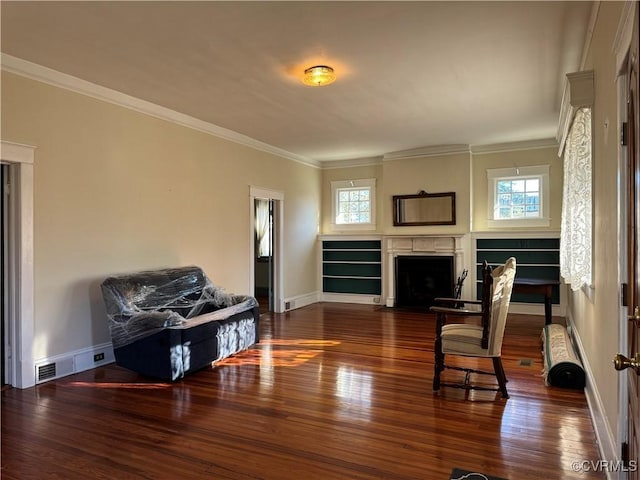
(46, 371)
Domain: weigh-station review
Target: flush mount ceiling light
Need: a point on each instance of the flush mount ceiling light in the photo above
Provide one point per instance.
(319, 76)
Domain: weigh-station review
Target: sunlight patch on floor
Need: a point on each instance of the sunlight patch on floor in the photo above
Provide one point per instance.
(265, 355)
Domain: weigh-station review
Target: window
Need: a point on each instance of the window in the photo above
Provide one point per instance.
(519, 196)
(354, 204)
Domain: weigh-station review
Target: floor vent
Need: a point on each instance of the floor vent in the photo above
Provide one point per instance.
(525, 362)
(46, 372)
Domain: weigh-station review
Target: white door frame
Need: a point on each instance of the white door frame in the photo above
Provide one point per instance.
(278, 216)
(21, 367)
(621, 48)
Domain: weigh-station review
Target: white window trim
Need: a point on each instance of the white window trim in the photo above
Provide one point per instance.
(495, 174)
(335, 186)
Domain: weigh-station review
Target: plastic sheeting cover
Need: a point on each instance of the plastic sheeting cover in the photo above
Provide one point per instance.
(144, 303)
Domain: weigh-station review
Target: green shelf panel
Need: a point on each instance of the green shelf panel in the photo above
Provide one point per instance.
(526, 297)
(351, 244)
(352, 269)
(350, 285)
(534, 256)
(545, 272)
(358, 256)
(517, 243)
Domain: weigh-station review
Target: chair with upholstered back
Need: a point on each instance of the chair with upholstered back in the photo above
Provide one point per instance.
(472, 340)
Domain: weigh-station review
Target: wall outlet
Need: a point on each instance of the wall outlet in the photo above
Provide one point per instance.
(98, 357)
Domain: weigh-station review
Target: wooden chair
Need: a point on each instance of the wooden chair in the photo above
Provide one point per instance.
(468, 340)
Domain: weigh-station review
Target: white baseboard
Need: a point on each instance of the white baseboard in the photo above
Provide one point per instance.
(352, 298)
(300, 301)
(69, 363)
(606, 440)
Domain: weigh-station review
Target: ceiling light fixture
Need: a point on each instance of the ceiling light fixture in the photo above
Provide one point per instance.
(319, 76)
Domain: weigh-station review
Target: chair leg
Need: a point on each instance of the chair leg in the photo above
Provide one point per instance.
(438, 367)
(501, 376)
(438, 355)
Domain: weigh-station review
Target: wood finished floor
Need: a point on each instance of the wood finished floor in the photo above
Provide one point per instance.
(333, 391)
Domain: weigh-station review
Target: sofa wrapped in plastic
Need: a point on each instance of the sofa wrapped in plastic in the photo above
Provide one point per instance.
(170, 322)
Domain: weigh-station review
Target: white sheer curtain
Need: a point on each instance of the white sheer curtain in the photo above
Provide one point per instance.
(575, 236)
(262, 228)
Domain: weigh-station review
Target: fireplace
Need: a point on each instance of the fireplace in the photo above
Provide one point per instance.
(422, 278)
(447, 253)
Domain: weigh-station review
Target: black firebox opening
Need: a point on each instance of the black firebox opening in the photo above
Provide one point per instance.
(420, 279)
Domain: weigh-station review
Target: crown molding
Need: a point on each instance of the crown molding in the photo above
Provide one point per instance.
(432, 151)
(58, 79)
(567, 106)
(624, 34)
(441, 150)
(514, 146)
(354, 162)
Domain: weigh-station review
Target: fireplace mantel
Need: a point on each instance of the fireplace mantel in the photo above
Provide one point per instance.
(446, 245)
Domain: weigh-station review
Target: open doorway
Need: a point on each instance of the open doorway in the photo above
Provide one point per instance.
(17, 271)
(266, 226)
(263, 248)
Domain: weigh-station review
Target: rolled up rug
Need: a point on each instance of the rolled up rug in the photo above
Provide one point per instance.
(562, 367)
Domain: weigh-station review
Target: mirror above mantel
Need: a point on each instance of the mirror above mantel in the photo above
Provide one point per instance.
(424, 209)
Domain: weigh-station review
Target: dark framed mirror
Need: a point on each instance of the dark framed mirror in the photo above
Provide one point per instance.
(424, 209)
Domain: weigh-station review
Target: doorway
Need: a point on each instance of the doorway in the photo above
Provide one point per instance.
(266, 226)
(263, 252)
(17, 271)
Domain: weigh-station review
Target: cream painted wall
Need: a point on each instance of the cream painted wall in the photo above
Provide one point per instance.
(118, 191)
(518, 158)
(349, 173)
(445, 173)
(407, 176)
(596, 320)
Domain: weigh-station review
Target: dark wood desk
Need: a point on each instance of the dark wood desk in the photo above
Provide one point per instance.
(537, 286)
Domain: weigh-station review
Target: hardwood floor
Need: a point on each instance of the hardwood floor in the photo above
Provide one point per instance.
(333, 391)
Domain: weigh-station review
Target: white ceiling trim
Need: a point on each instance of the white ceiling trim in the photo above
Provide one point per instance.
(566, 113)
(49, 76)
(440, 150)
(433, 151)
(624, 34)
(514, 146)
(355, 162)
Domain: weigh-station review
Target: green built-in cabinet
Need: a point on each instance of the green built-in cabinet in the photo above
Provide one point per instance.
(535, 257)
(352, 266)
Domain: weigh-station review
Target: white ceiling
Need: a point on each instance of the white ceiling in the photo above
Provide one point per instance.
(410, 74)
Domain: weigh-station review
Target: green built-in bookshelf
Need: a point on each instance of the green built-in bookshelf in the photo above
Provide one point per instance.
(535, 258)
(352, 266)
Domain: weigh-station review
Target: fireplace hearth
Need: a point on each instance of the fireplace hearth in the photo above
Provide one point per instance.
(422, 278)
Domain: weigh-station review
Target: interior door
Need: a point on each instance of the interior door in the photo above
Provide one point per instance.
(632, 365)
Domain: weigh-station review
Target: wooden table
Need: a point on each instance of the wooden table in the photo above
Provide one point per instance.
(538, 286)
